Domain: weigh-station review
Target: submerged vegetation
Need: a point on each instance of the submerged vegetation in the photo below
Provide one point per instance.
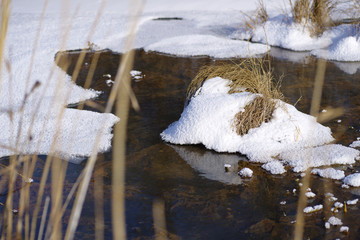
(251, 75)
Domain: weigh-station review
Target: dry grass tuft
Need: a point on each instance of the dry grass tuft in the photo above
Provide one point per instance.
(260, 17)
(258, 111)
(315, 12)
(251, 75)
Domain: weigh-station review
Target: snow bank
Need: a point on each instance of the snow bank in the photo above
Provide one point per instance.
(291, 136)
(200, 45)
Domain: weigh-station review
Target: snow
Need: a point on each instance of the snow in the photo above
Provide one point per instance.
(355, 144)
(329, 173)
(274, 167)
(210, 23)
(344, 229)
(334, 221)
(327, 225)
(345, 49)
(352, 202)
(352, 180)
(313, 209)
(292, 136)
(199, 45)
(338, 205)
(206, 28)
(246, 172)
(310, 194)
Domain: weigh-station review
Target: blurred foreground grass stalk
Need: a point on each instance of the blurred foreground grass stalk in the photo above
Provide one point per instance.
(50, 226)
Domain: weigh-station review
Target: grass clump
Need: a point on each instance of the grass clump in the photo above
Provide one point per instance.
(259, 18)
(251, 75)
(314, 12)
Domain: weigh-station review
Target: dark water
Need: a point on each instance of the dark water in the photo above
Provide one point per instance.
(202, 201)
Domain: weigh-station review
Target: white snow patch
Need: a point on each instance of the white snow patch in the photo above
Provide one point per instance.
(352, 202)
(334, 221)
(338, 205)
(281, 31)
(282, 202)
(329, 173)
(344, 229)
(213, 46)
(345, 49)
(320, 156)
(327, 225)
(352, 180)
(310, 194)
(246, 172)
(274, 167)
(355, 144)
(313, 209)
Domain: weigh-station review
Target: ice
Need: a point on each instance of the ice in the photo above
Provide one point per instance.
(329, 173)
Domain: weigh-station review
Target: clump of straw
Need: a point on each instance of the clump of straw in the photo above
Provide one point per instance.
(315, 12)
(259, 18)
(251, 75)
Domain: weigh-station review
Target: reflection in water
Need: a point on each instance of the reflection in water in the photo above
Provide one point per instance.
(287, 55)
(348, 67)
(211, 164)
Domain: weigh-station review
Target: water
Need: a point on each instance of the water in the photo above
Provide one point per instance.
(202, 201)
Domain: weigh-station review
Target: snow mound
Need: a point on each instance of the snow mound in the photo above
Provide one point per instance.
(291, 136)
(200, 45)
(353, 180)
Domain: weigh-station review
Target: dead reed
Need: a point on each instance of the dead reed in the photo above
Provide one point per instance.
(314, 13)
(251, 75)
(259, 18)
